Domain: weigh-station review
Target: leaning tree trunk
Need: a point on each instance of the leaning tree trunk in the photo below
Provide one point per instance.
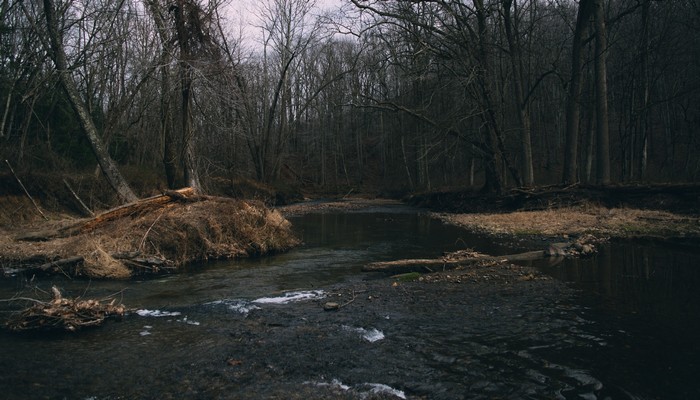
(107, 165)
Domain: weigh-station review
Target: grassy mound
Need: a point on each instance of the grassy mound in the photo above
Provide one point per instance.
(154, 235)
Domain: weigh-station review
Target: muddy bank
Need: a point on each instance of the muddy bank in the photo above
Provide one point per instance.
(155, 235)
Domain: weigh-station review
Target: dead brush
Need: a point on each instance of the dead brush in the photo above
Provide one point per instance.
(64, 314)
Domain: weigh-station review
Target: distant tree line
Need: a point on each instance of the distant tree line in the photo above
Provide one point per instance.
(393, 95)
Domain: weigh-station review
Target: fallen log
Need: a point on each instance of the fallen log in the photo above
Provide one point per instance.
(134, 208)
(451, 261)
(135, 261)
(138, 207)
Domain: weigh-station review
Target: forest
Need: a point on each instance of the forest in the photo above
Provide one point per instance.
(382, 96)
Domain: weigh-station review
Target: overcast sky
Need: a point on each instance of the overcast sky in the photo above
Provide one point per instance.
(243, 16)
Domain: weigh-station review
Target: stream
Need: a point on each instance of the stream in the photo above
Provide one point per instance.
(624, 324)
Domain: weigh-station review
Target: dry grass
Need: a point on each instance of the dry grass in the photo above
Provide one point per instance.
(177, 233)
(599, 221)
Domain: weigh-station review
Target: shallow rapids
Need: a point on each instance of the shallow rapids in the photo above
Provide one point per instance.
(257, 329)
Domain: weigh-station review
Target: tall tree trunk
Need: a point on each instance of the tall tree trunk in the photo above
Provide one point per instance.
(602, 123)
(573, 99)
(108, 166)
(516, 63)
(170, 157)
(493, 181)
(644, 92)
(188, 156)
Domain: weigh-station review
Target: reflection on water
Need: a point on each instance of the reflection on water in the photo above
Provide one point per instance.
(648, 295)
(253, 328)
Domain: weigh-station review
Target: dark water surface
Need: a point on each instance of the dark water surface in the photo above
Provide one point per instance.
(624, 324)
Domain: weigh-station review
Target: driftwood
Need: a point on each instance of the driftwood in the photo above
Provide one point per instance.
(137, 262)
(138, 207)
(450, 261)
(64, 314)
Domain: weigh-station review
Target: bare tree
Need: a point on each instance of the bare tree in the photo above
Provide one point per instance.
(601, 77)
(517, 65)
(109, 168)
(573, 100)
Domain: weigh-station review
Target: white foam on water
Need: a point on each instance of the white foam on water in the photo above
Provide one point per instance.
(334, 383)
(370, 335)
(291, 297)
(145, 331)
(363, 389)
(379, 388)
(236, 305)
(188, 322)
(157, 313)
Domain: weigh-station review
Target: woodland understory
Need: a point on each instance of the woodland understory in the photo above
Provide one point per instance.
(381, 97)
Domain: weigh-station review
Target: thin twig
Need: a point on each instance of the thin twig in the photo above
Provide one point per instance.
(23, 299)
(25, 190)
(143, 240)
(349, 301)
(85, 207)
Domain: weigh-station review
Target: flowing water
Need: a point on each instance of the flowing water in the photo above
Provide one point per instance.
(624, 324)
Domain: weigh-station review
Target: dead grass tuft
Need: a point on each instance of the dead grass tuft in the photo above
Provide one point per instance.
(100, 264)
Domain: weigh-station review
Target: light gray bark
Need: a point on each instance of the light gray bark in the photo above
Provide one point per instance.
(107, 165)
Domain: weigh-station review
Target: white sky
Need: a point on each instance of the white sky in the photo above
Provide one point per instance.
(242, 18)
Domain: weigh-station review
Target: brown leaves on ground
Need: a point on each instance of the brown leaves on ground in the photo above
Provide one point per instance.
(599, 221)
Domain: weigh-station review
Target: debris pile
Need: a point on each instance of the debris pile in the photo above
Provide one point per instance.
(63, 314)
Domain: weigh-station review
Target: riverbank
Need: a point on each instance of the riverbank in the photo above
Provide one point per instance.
(156, 235)
(601, 222)
(262, 328)
(570, 220)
